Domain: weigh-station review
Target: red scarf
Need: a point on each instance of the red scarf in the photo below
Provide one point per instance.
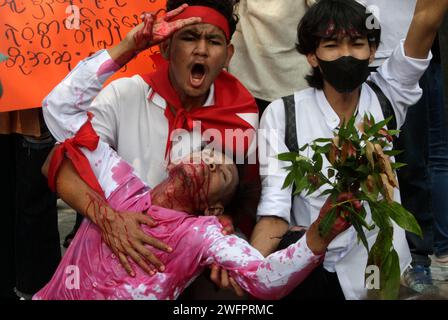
(231, 98)
(85, 137)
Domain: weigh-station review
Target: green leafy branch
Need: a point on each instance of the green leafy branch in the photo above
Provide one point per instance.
(358, 162)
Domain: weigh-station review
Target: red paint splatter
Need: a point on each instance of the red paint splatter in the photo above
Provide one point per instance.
(186, 188)
(290, 252)
(121, 172)
(109, 66)
(231, 242)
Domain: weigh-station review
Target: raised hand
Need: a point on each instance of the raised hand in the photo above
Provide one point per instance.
(154, 30)
(428, 17)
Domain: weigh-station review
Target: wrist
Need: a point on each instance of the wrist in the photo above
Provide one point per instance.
(314, 241)
(101, 214)
(123, 52)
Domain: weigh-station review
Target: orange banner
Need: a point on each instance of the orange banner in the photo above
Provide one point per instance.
(45, 39)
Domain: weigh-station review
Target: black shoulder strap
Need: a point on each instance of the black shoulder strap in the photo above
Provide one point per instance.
(290, 123)
(386, 106)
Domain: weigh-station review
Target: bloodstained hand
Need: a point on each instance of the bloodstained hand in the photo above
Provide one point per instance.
(155, 30)
(122, 232)
(341, 224)
(227, 224)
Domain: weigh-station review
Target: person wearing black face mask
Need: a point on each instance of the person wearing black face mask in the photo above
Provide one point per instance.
(339, 39)
(345, 74)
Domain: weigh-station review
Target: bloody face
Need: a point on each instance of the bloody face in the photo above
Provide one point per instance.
(197, 54)
(198, 182)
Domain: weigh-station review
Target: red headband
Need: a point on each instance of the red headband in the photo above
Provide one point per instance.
(208, 15)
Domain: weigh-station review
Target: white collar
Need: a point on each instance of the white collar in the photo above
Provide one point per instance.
(331, 117)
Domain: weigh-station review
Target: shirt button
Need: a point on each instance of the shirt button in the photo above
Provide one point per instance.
(94, 284)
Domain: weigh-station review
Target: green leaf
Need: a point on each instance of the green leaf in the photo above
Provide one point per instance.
(397, 165)
(351, 129)
(377, 127)
(379, 215)
(303, 148)
(322, 149)
(393, 132)
(318, 162)
(3, 57)
(305, 166)
(289, 180)
(381, 247)
(301, 183)
(327, 222)
(358, 222)
(363, 169)
(404, 218)
(1, 89)
(360, 216)
(390, 277)
(288, 156)
(393, 153)
(322, 140)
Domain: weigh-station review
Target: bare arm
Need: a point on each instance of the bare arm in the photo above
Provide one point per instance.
(427, 19)
(70, 187)
(267, 234)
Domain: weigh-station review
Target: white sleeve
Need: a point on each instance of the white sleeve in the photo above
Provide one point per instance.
(398, 77)
(112, 171)
(65, 108)
(274, 200)
(65, 111)
(272, 277)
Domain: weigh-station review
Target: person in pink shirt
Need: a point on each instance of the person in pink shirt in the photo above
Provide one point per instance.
(203, 183)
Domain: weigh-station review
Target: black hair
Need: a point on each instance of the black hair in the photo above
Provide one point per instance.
(328, 19)
(225, 7)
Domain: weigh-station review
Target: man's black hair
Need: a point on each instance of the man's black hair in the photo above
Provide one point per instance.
(329, 19)
(225, 7)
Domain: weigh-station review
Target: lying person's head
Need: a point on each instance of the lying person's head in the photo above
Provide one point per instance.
(198, 53)
(202, 183)
(339, 38)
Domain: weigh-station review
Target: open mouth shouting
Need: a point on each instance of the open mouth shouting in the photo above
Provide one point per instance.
(197, 75)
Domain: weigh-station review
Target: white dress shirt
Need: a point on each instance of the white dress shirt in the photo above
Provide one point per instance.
(398, 78)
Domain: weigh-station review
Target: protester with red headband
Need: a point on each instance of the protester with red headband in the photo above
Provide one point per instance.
(153, 120)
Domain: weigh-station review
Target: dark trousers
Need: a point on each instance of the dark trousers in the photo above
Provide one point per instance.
(29, 237)
(319, 285)
(424, 181)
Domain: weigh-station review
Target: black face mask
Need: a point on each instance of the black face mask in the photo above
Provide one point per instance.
(346, 73)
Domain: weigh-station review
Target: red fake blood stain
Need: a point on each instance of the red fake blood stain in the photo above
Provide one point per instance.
(99, 209)
(187, 188)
